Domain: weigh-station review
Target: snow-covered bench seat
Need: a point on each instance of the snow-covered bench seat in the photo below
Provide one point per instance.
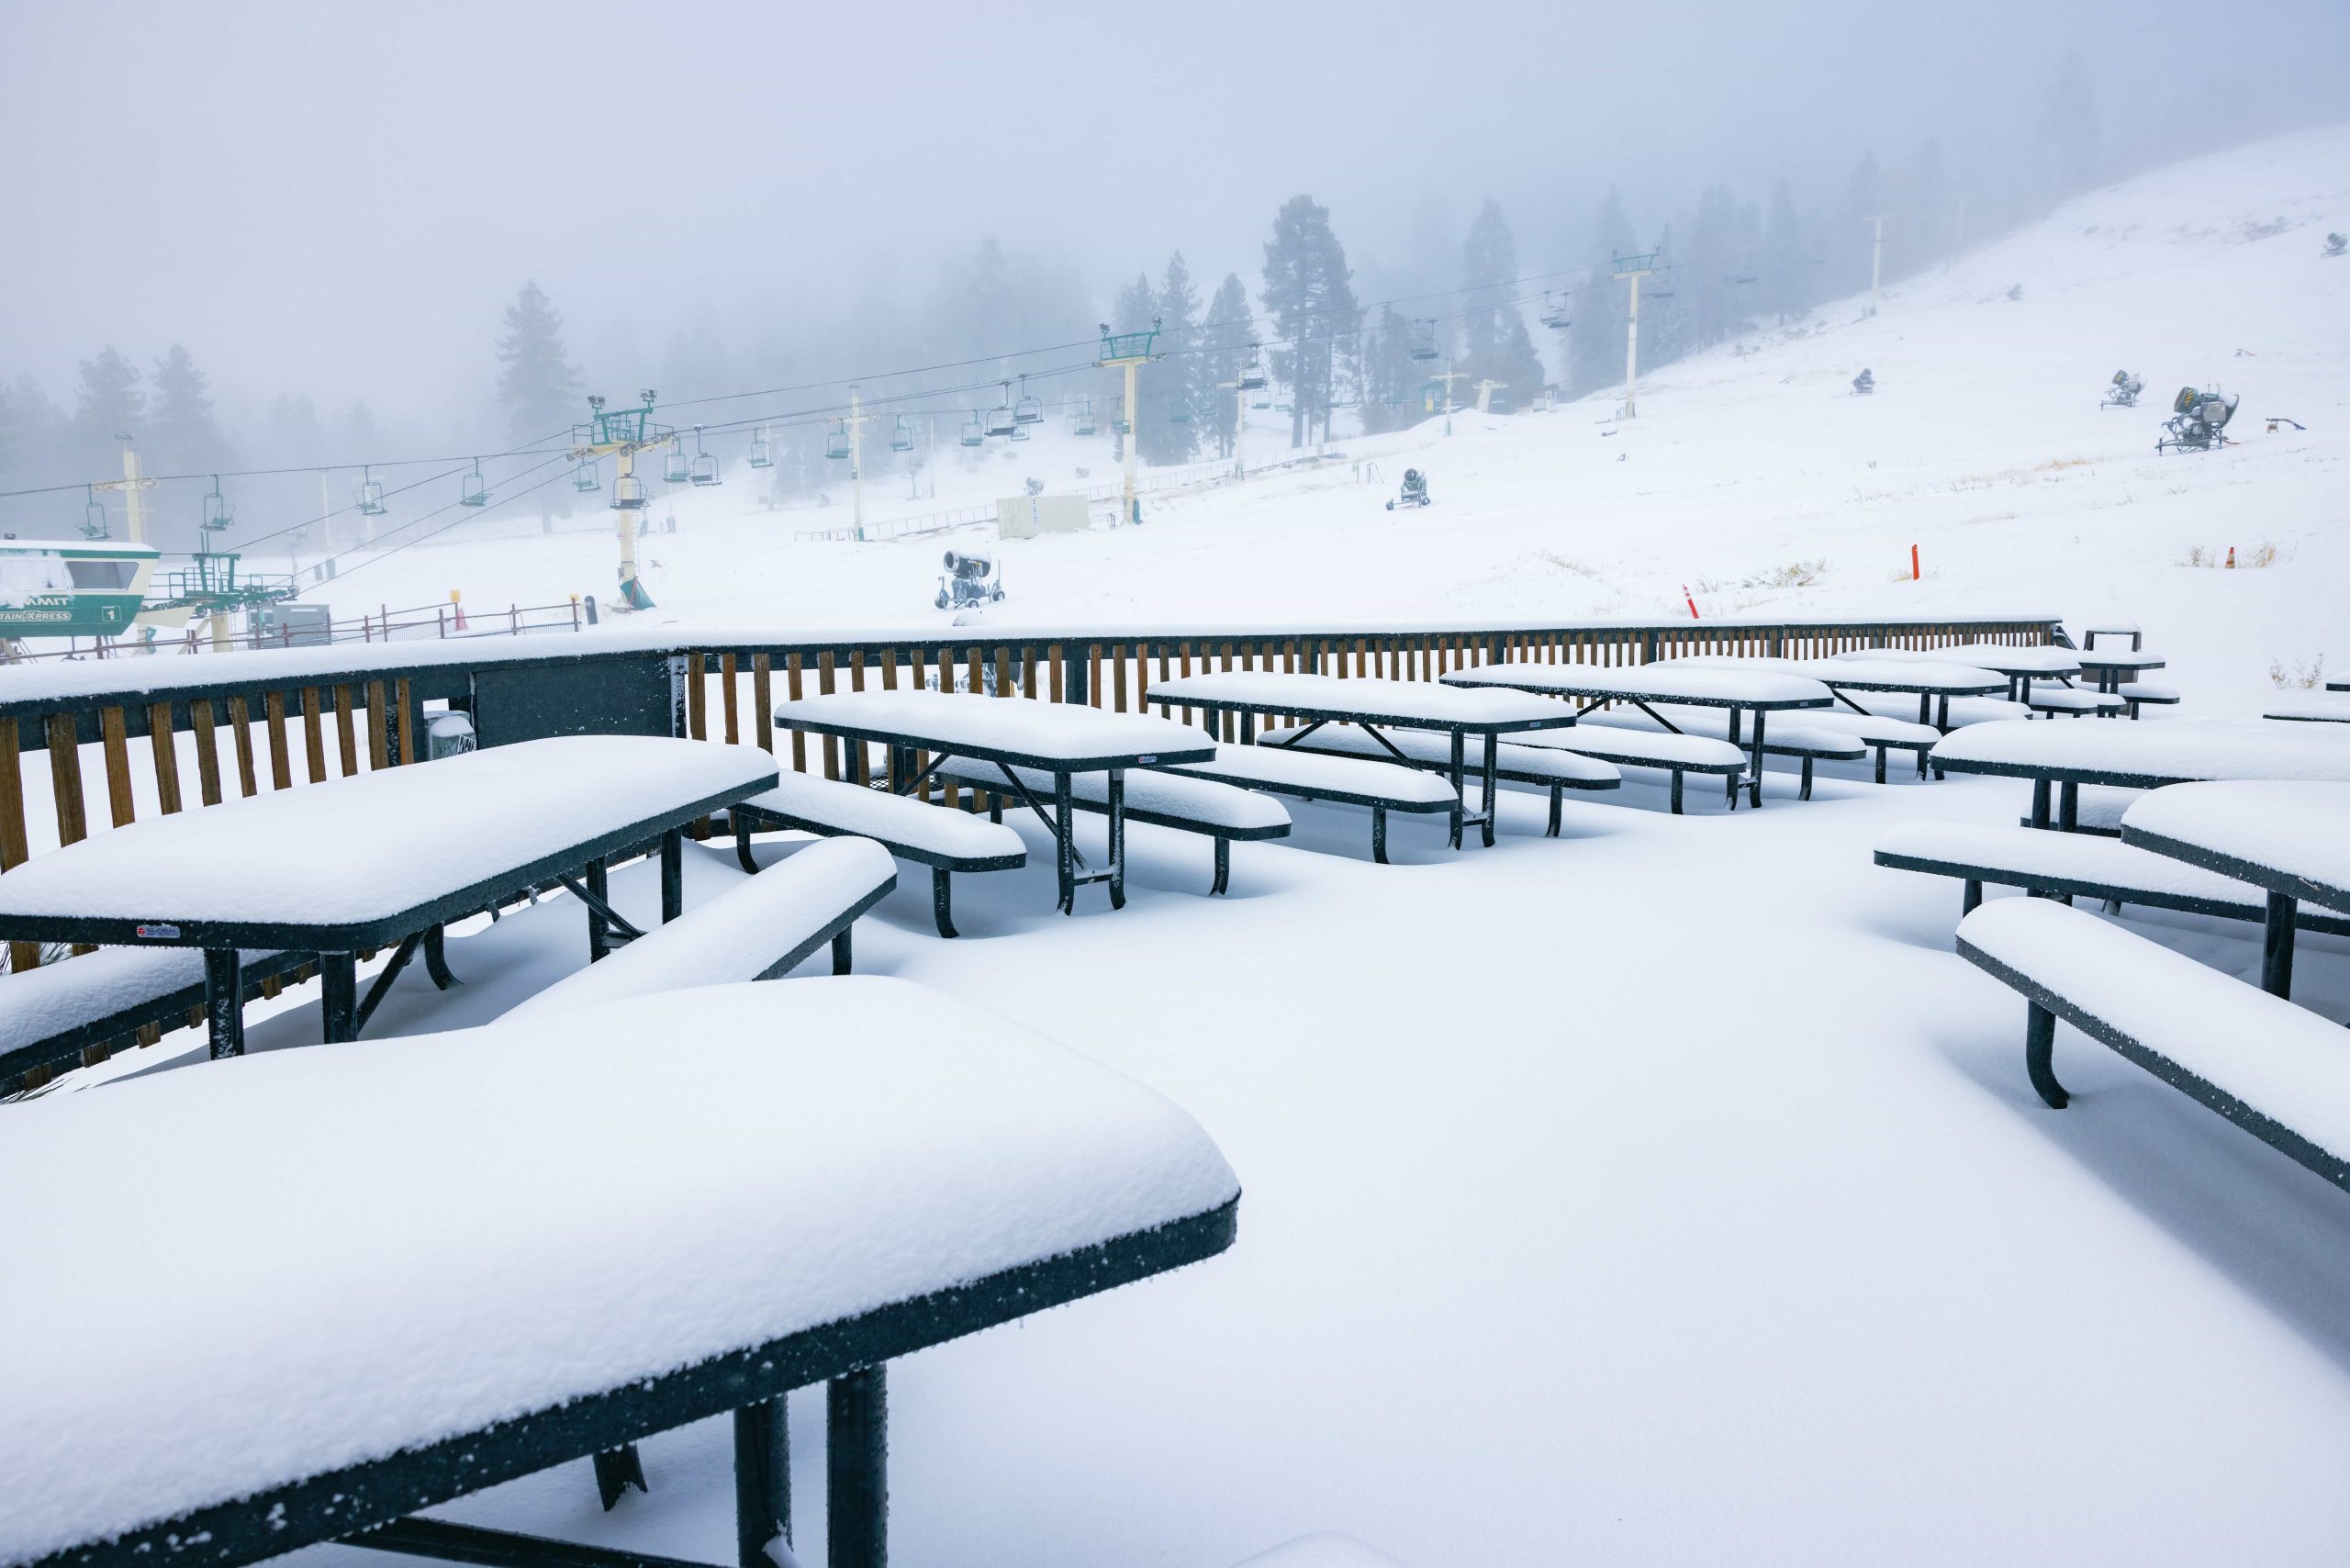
(908, 827)
(1220, 812)
(1793, 736)
(1677, 754)
(759, 929)
(2274, 1069)
(2098, 810)
(1383, 787)
(2137, 694)
(1514, 763)
(2073, 701)
(2309, 709)
(2077, 865)
(1878, 730)
(414, 1268)
(65, 1011)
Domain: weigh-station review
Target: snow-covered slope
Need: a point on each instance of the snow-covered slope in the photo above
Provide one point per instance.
(1751, 475)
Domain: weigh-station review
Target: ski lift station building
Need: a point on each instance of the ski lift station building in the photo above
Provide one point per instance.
(57, 588)
(1025, 517)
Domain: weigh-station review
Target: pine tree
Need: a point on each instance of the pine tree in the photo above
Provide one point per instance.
(109, 405)
(2070, 124)
(183, 431)
(38, 440)
(1224, 335)
(1391, 377)
(1596, 346)
(1922, 194)
(1494, 343)
(1309, 292)
(1785, 276)
(537, 386)
(1169, 388)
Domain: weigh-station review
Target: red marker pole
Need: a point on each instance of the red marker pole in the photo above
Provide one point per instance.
(1913, 563)
(1690, 602)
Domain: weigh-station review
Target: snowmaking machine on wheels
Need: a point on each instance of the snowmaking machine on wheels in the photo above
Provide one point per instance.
(2199, 421)
(2125, 388)
(1865, 383)
(1415, 492)
(968, 580)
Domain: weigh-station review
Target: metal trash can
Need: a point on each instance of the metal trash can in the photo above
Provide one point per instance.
(446, 734)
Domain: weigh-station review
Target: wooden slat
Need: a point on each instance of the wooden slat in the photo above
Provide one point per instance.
(888, 670)
(1028, 669)
(65, 779)
(281, 764)
(823, 687)
(1002, 671)
(763, 700)
(378, 727)
(116, 746)
(14, 845)
(314, 734)
(405, 707)
(791, 693)
(1093, 681)
(972, 662)
(727, 670)
(1118, 676)
(1053, 656)
(160, 747)
(346, 737)
(696, 697)
(208, 749)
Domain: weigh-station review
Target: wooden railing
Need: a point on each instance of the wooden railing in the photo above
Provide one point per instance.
(247, 718)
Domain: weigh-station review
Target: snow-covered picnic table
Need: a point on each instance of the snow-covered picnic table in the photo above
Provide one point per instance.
(1375, 706)
(1758, 692)
(2143, 756)
(1008, 733)
(2291, 840)
(2311, 708)
(1926, 678)
(458, 1258)
(376, 860)
(2111, 669)
(2022, 666)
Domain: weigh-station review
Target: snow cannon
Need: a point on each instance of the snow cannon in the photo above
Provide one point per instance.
(970, 579)
(2125, 389)
(2199, 421)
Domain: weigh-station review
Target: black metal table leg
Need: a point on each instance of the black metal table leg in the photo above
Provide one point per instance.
(942, 899)
(2277, 945)
(599, 936)
(1063, 848)
(762, 1482)
(2040, 802)
(1485, 779)
(673, 875)
(2068, 806)
(1754, 791)
(338, 997)
(436, 957)
(856, 1478)
(1455, 771)
(224, 1001)
(1118, 834)
(1248, 726)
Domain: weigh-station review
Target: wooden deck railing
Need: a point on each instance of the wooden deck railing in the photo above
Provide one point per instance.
(250, 719)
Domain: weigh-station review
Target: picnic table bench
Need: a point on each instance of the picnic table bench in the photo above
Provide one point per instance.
(380, 859)
(432, 1300)
(1161, 799)
(2276, 1070)
(1383, 787)
(2141, 757)
(2311, 709)
(2291, 840)
(910, 828)
(1512, 762)
(1056, 740)
(1927, 679)
(1375, 707)
(1739, 691)
(1677, 754)
(1799, 738)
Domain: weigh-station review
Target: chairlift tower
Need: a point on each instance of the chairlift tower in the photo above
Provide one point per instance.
(1633, 268)
(132, 484)
(1876, 255)
(854, 424)
(1130, 352)
(1449, 377)
(621, 434)
(1239, 390)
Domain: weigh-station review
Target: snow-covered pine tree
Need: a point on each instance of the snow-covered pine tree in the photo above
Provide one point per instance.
(1496, 345)
(1171, 387)
(537, 386)
(109, 405)
(1224, 335)
(1309, 294)
(2070, 126)
(1391, 377)
(1783, 277)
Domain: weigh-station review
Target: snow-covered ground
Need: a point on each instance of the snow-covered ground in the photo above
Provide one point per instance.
(1668, 1192)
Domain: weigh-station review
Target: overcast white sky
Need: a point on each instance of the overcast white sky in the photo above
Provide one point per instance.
(338, 199)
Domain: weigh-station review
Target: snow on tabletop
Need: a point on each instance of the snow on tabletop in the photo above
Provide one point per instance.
(2312, 708)
(1653, 682)
(434, 1233)
(877, 814)
(56, 997)
(1430, 749)
(2000, 657)
(375, 843)
(2302, 830)
(736, 936)
(2085, 856)
(1912, 676)
(2284, 1061)
(2174, 750)
(2115, 658)
(1783, 730)
(1202, 800)
(1616, 743)
(1063, 732)
(1416, 700)
(1874, 728)
(1308, 770)
(1321, 1550)
(2117, 628)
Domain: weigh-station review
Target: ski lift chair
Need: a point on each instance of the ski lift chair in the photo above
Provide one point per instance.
(1082, 420)
(217, 512)
(371, 495)
(2199, 421)
(1555, 317)
(761, 453)
(901, 435)
(1001, 422)
(93, 515)
(836, 441)
(628, 493)
(675, 469)
(1424, 338)
(975, 432)
(475, 490)
(1028, 411)
(584, 478)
